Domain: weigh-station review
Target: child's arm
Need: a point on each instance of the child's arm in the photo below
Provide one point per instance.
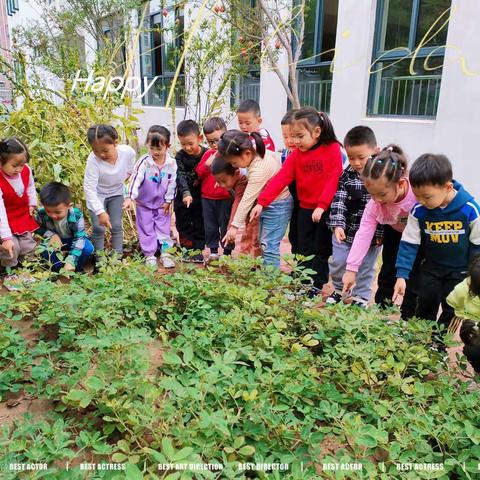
(284, 177)
(78, 242)
(42, 230)
(5, 232)
(338, 209)
(456, 298)
(31, 191)
(90, 183)
(137, 178)
(182, 184)
(203, 171)
(474, 230)
(172, 185)
(333, 171)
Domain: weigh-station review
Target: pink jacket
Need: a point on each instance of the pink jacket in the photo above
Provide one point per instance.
(393, 214)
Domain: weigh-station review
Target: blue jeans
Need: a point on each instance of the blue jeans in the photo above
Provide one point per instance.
(57, 264)
(273, 225)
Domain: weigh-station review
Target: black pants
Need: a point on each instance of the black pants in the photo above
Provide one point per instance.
(216, 214)
(189, 222)
(293, 230)
(435, 286)
(388, 275)
(315, 239)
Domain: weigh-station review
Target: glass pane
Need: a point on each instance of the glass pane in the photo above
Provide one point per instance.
(395, 92)
(315, 87)
(156, 49)
(146, 50)
(329, 35)
(430, 12)
(311, 21)
(169, 47)
(395, 26)
(158, 94)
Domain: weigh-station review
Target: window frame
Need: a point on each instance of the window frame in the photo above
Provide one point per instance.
(397, 55)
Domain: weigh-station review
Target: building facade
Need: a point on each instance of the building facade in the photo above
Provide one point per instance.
(409, 69)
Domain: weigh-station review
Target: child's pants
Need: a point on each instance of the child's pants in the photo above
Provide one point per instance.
(22, 245)
(273, 225)
(113, 206)
(57, 263)
(153, 228)
(365, 274)
(216, 214)
(189, 223)
(250, 243)
(388, 275)
(315, 238)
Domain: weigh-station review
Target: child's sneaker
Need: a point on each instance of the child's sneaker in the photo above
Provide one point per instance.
(213, 257)
(359, 302)
(151, 261)
(167, 260)
(198, 258)
(15, 283)
(334, 298)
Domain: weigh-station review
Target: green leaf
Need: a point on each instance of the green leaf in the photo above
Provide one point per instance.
(187, 354)
(132, 472)
(171, 358)
(85, 401)
(75, 395)
(247, 450)
(182, 454)
(119, 457)
(238, 442)
(167, 448)
(95, 383)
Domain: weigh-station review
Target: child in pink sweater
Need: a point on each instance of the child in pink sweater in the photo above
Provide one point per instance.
(386, 180)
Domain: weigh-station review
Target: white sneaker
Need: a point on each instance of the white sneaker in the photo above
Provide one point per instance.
(359, 302)
(167, 261)
(151, 261)
(213, 257)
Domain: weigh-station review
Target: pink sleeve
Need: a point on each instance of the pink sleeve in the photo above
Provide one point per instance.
(363, 237)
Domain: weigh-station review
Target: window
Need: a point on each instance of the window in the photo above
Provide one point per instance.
(160, 46)
(313, 69)
(403, 81)
(12, 7)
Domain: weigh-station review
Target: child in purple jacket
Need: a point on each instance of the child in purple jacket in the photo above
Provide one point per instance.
(152, 186)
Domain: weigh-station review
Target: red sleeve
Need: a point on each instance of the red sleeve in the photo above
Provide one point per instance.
(333, 169)
(284, 177)
(202, 170)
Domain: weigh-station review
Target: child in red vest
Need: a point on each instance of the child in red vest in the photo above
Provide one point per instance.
(18, 200)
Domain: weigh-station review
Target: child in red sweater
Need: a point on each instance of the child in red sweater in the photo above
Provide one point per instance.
(315, 165)
(229, 177)
(216, 201)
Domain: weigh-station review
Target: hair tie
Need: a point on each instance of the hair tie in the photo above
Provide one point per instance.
(379, 161)
(252, 140)
(390, 149)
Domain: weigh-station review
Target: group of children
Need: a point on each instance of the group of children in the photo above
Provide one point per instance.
(423, 222)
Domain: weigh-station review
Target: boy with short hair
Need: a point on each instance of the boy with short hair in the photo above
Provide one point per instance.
(250, 120)
(289, 143)
(445, 223)
(188, 201)
(216, 201)
(346, 213)
(232, 179)
(63, 229)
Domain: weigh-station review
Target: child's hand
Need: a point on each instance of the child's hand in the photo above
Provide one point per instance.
(230, 236)
(166, 208)
(317, 214)
(399, 288)
(31, 210)
(69, 267)
(187, 201)
(256, 211)
(7, 245)
(339, 234)
(104, 220)
(209, 162)
(348, 281)
(55, 242)
(127, 204)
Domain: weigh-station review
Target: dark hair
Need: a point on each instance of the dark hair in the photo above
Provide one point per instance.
(220, 165)
(474, 274)
(55, 193)
(213, 124)
(105, 133)
(360, 135)
(390, 163)
(310, 119)
(12, 146)
(470, 333)
(430, 169)
(235, 142)
(188, 127)
(288, 117)
(158, 136)
(249, 106)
